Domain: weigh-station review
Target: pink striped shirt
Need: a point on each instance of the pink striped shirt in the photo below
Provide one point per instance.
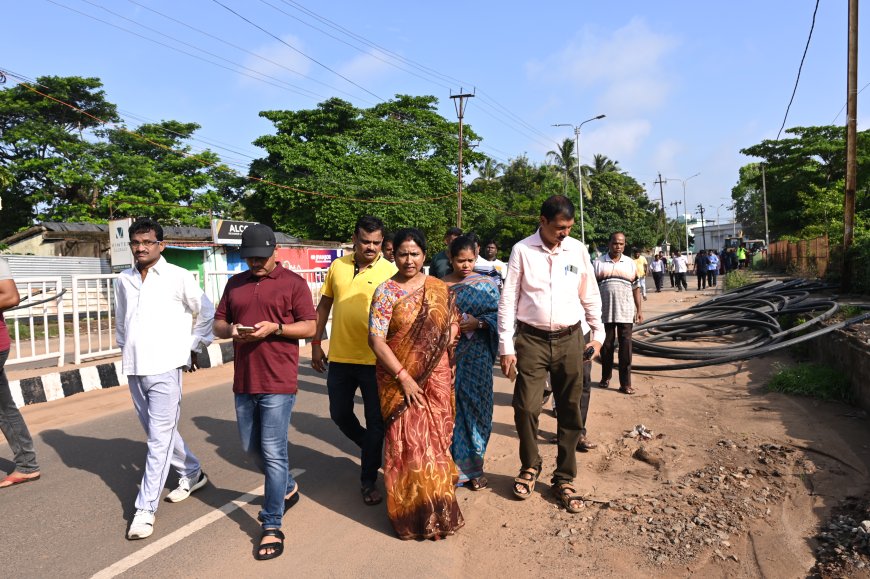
(549, 289)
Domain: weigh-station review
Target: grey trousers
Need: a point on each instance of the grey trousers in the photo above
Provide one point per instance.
(157, 400)
(13, 426)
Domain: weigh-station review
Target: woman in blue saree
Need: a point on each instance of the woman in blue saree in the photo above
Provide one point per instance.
(476, 298)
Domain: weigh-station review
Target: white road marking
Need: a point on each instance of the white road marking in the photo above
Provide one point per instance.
(187, 530)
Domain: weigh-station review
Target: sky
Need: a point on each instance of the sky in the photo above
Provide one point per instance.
(684, 85)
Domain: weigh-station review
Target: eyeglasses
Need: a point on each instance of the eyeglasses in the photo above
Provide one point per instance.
(147, 243)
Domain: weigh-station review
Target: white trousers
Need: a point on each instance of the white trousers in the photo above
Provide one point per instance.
(157, 400)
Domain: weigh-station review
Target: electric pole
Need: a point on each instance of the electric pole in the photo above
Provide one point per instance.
(460, 112)
(764, 196)
(662, 193)
(703, 231)
(851, 145)
(676, 205)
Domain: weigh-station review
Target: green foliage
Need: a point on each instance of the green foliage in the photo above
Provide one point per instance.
(60, 164)
(805, 178)
(815, 380)
(334, 163)
(737, 279)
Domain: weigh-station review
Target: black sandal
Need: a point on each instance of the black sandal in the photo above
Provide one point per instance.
(277, 547)
(371, 495)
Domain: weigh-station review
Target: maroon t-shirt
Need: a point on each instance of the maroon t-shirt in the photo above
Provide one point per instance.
(269, 366)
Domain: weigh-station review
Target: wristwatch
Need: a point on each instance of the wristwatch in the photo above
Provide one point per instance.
(479, 324)
(280, 330)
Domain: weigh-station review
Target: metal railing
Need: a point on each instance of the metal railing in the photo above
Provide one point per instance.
(216, 281)
(94, 308)
(41, 312)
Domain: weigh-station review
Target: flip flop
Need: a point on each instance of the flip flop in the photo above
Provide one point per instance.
(14, 479)
(369, 497)
(478, 483)
(626, 390)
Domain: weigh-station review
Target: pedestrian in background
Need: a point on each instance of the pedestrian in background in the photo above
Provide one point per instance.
(11, 422)
(266, 310)
(619, 286)
(671, 273)
(440, 265)
(712, 268)
(642, 271)
(701, 263)
(155, 305)
(347, 293)
(681, 267)
(657, 267)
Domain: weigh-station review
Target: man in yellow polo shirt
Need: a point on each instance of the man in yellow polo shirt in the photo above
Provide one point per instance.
(347, 292)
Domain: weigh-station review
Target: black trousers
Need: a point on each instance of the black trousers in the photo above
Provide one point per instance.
(613, 334)
(563, 360)
(702, 279)
(341, 384)
(659, 279)
(681, 280)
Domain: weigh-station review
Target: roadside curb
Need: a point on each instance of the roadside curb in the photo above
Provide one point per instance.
(58, 385)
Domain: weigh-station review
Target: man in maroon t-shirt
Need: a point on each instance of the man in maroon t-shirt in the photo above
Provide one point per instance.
(266, 310)
(11, 422)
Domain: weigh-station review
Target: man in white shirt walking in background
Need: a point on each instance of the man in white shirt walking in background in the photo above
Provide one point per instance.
(155, 303)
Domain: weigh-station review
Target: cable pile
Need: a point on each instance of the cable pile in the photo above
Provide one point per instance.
(744, 323)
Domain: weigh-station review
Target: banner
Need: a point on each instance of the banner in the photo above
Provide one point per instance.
(299, 258)
(119, 244)
(226, 232)
(322, 258)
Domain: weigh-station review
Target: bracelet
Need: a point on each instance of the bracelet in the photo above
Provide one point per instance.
(399, 373)
(316, 342)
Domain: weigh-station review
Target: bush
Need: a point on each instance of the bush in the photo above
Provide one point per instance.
(814, 380)
(737, 278)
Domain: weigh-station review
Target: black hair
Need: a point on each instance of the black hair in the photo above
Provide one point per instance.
(369, 224)
(388, 238)
(453, 231)
(473, 237)
(622, 233)
(491, 241)
(409, 234)
(460, 243)
(144, 225)
(556, 206)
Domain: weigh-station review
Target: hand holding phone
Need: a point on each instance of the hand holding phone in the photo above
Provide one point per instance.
(587, 353)
(245, 329)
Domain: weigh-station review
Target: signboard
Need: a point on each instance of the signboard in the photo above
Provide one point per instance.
(227, 232)
(119, 244)
(321, 258)
(299, 258)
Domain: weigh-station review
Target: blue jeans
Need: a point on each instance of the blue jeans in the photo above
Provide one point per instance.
(13, 426)
(263, 421)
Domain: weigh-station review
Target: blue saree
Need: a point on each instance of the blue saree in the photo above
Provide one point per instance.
(478, 296)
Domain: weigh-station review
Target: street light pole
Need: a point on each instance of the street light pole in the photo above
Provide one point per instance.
(685, 218)
(676, 205)
(579, 168)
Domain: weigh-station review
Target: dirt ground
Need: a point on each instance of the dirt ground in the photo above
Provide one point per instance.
(733, 482)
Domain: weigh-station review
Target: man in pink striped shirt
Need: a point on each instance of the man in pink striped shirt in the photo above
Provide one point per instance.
(550, 300)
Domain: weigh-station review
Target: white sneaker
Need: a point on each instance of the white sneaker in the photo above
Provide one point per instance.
(187, 485)
(142, 525)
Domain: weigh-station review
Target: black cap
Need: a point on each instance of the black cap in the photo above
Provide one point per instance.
(258, 241)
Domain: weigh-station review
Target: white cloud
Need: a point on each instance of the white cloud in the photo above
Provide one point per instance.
(363, 68)
(279, 61)
(618, 140)
(626, 67)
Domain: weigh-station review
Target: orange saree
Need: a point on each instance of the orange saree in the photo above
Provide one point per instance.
(419, 473)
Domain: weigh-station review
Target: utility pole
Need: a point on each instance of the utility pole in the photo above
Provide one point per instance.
(676, 205)
(580, 168)
(660, 183)
(764, 196)
(460, 112)
(851, 145)
(703, 230)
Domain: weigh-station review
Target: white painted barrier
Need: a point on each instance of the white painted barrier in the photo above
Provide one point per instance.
(41, 311)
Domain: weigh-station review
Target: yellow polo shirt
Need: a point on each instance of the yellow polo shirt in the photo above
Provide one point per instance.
(352, 299)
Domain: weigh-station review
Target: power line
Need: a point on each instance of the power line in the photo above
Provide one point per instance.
(288, 45)
(844, 104)
(797, 80)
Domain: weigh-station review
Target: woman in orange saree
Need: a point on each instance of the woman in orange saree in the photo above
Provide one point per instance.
(412, 325)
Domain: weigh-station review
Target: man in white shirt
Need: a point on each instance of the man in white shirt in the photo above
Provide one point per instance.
(681, 266)
(155, 303)
(490, 253)
(550, 300)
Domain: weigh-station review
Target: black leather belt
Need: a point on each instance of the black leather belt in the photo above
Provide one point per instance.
(544, 334)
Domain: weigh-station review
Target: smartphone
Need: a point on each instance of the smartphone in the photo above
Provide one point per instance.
(246, 329)
(587, 353)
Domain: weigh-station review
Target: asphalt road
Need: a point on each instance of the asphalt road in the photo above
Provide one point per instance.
(91, 449)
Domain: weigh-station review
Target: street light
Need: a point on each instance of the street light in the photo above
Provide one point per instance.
(686, 207)
(579, 171)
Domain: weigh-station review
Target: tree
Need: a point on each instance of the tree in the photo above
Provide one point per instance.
(805, 177)
(564, 160)
(327, 166)
(67, 164)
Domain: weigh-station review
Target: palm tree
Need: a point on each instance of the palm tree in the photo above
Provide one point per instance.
(489, 169)
(565, 161)
(600, 165)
